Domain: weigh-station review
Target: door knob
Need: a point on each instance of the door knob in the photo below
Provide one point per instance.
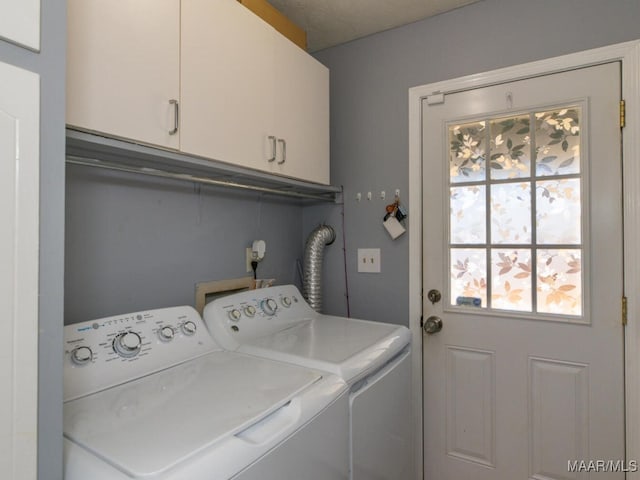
(432, 325)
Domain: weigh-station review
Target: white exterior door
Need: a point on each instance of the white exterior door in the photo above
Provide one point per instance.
(523, 238)
(19, 197)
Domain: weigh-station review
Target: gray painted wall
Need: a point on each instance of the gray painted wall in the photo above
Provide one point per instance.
(134, 242)
(370, 79)
(50, 64)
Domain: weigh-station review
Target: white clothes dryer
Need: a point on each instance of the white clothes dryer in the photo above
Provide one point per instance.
(372, 357)
(151, 395)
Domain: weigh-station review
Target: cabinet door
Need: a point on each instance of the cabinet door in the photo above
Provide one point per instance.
(123, 68)
(227, 83)
(19, 207)
(20, 22)
(302, 112)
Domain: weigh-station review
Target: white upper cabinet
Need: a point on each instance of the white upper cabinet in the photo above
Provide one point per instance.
(302, 113)
(20, 22)
(227, 82)
(123, 68)
(246, 95)
(250, 96)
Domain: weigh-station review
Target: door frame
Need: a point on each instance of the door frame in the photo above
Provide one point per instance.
(628, 54)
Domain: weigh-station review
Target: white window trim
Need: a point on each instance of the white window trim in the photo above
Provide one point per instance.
(629, 54)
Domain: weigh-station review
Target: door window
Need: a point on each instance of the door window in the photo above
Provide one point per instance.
(515, 222)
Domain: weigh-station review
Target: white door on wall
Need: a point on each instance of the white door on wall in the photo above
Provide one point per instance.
(19, 197)
(523, 238)
(20, 22)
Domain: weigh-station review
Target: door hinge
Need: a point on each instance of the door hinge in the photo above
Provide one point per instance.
(623, 114)
(624, 311)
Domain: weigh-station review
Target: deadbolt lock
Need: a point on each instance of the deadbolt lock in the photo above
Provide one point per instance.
(434, 296)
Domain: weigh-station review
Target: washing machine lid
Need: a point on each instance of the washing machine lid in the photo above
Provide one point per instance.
(152, 424)
(347, 347)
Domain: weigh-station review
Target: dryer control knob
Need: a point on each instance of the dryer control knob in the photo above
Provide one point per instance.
(166, 334)
(286, 302)
(189, 328)
(269, 306)
(127, 344)
(81, 355)
(249, 310)
(234, 314)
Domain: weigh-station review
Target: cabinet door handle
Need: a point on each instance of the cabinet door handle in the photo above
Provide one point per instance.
(284, 150)
(176, 118)
(272, 139)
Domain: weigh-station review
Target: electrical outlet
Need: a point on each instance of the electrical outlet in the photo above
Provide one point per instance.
(369, 260)
(249, 257)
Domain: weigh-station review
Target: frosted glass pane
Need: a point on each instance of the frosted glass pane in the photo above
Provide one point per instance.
(560, 281)
(468, 210)
(558, 211)
(511, 279)
(468, 276)
(467, 152)
(510, 147)
(558, 142)
(511, 213)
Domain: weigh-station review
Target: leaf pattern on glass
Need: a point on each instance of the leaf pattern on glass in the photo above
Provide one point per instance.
(558, 211)
(467, 152)
(468, 274)
(559, 282)
(511, 279)
(510, 147)
(468, 212)
(558, 142)
(511, 213)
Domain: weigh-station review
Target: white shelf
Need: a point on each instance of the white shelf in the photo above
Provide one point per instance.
(93, 150)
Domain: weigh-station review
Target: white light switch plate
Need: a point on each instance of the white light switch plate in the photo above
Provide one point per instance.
(369, 260)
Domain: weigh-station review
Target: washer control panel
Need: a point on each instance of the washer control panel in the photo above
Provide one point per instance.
(240, 317)
(109, 351)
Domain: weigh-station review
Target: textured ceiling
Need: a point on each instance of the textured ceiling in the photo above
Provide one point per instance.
(332, 22)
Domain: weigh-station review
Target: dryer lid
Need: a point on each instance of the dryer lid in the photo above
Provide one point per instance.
(150, 425)
(344, 346)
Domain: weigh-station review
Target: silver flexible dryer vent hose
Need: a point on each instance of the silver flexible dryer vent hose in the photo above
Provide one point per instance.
(313, 255)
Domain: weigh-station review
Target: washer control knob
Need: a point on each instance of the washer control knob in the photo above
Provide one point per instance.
(235, 314)
(189, 328)
(127, 344)
(81, 355)
(250, 310)
(269, 306)
(286, 302)
(166, 334)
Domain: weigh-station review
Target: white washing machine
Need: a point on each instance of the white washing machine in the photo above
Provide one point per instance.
(372, 357)
(150, 395)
